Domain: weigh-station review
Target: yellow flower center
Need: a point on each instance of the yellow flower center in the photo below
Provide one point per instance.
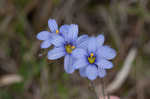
(57, 31)
(91, 58)
(69, 48)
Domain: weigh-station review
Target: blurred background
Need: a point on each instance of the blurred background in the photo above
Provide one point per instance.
(25, 71)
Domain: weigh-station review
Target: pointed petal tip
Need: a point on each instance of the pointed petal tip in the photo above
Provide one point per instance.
(82, 72)
(101, 72)
(72, 33)
(46, 44)
(107, 52)
(103, 63)
(68, 64)
(56, 53)
(92, 47)
(100, 40)
(43, 35)
(91, 72)
(52, 25)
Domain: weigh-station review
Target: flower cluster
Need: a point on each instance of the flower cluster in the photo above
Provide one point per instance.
(87, 54)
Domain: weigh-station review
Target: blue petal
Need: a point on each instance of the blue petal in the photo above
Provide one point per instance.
(92, 45)
(44, 35)
(72, 32)
(100, 40)
(91, 72)
(64, 31)
(80, 63)
(83, 45)
(82, 41)
(79, 53)
(105, 64)
(46, 44)
(82, 38)
(52, 25)
(57, 40)
(101, 72)
(68, 64)
(106, 52)
(56, 53)
(83, 72)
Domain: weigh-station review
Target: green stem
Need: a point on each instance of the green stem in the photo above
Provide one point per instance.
(103, 88)
(108, 96)
(93, 86)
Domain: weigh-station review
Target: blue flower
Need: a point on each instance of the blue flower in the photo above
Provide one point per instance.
(93, 60)
(64, 45)
(47, 36)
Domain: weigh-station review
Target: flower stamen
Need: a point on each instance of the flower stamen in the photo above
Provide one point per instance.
(91, 58)
(69, 48)
(91, 55)
(57, 31)
(73, 47)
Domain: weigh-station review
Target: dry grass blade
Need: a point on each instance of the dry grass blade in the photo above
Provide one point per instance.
(10, 79)
(123, 73)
